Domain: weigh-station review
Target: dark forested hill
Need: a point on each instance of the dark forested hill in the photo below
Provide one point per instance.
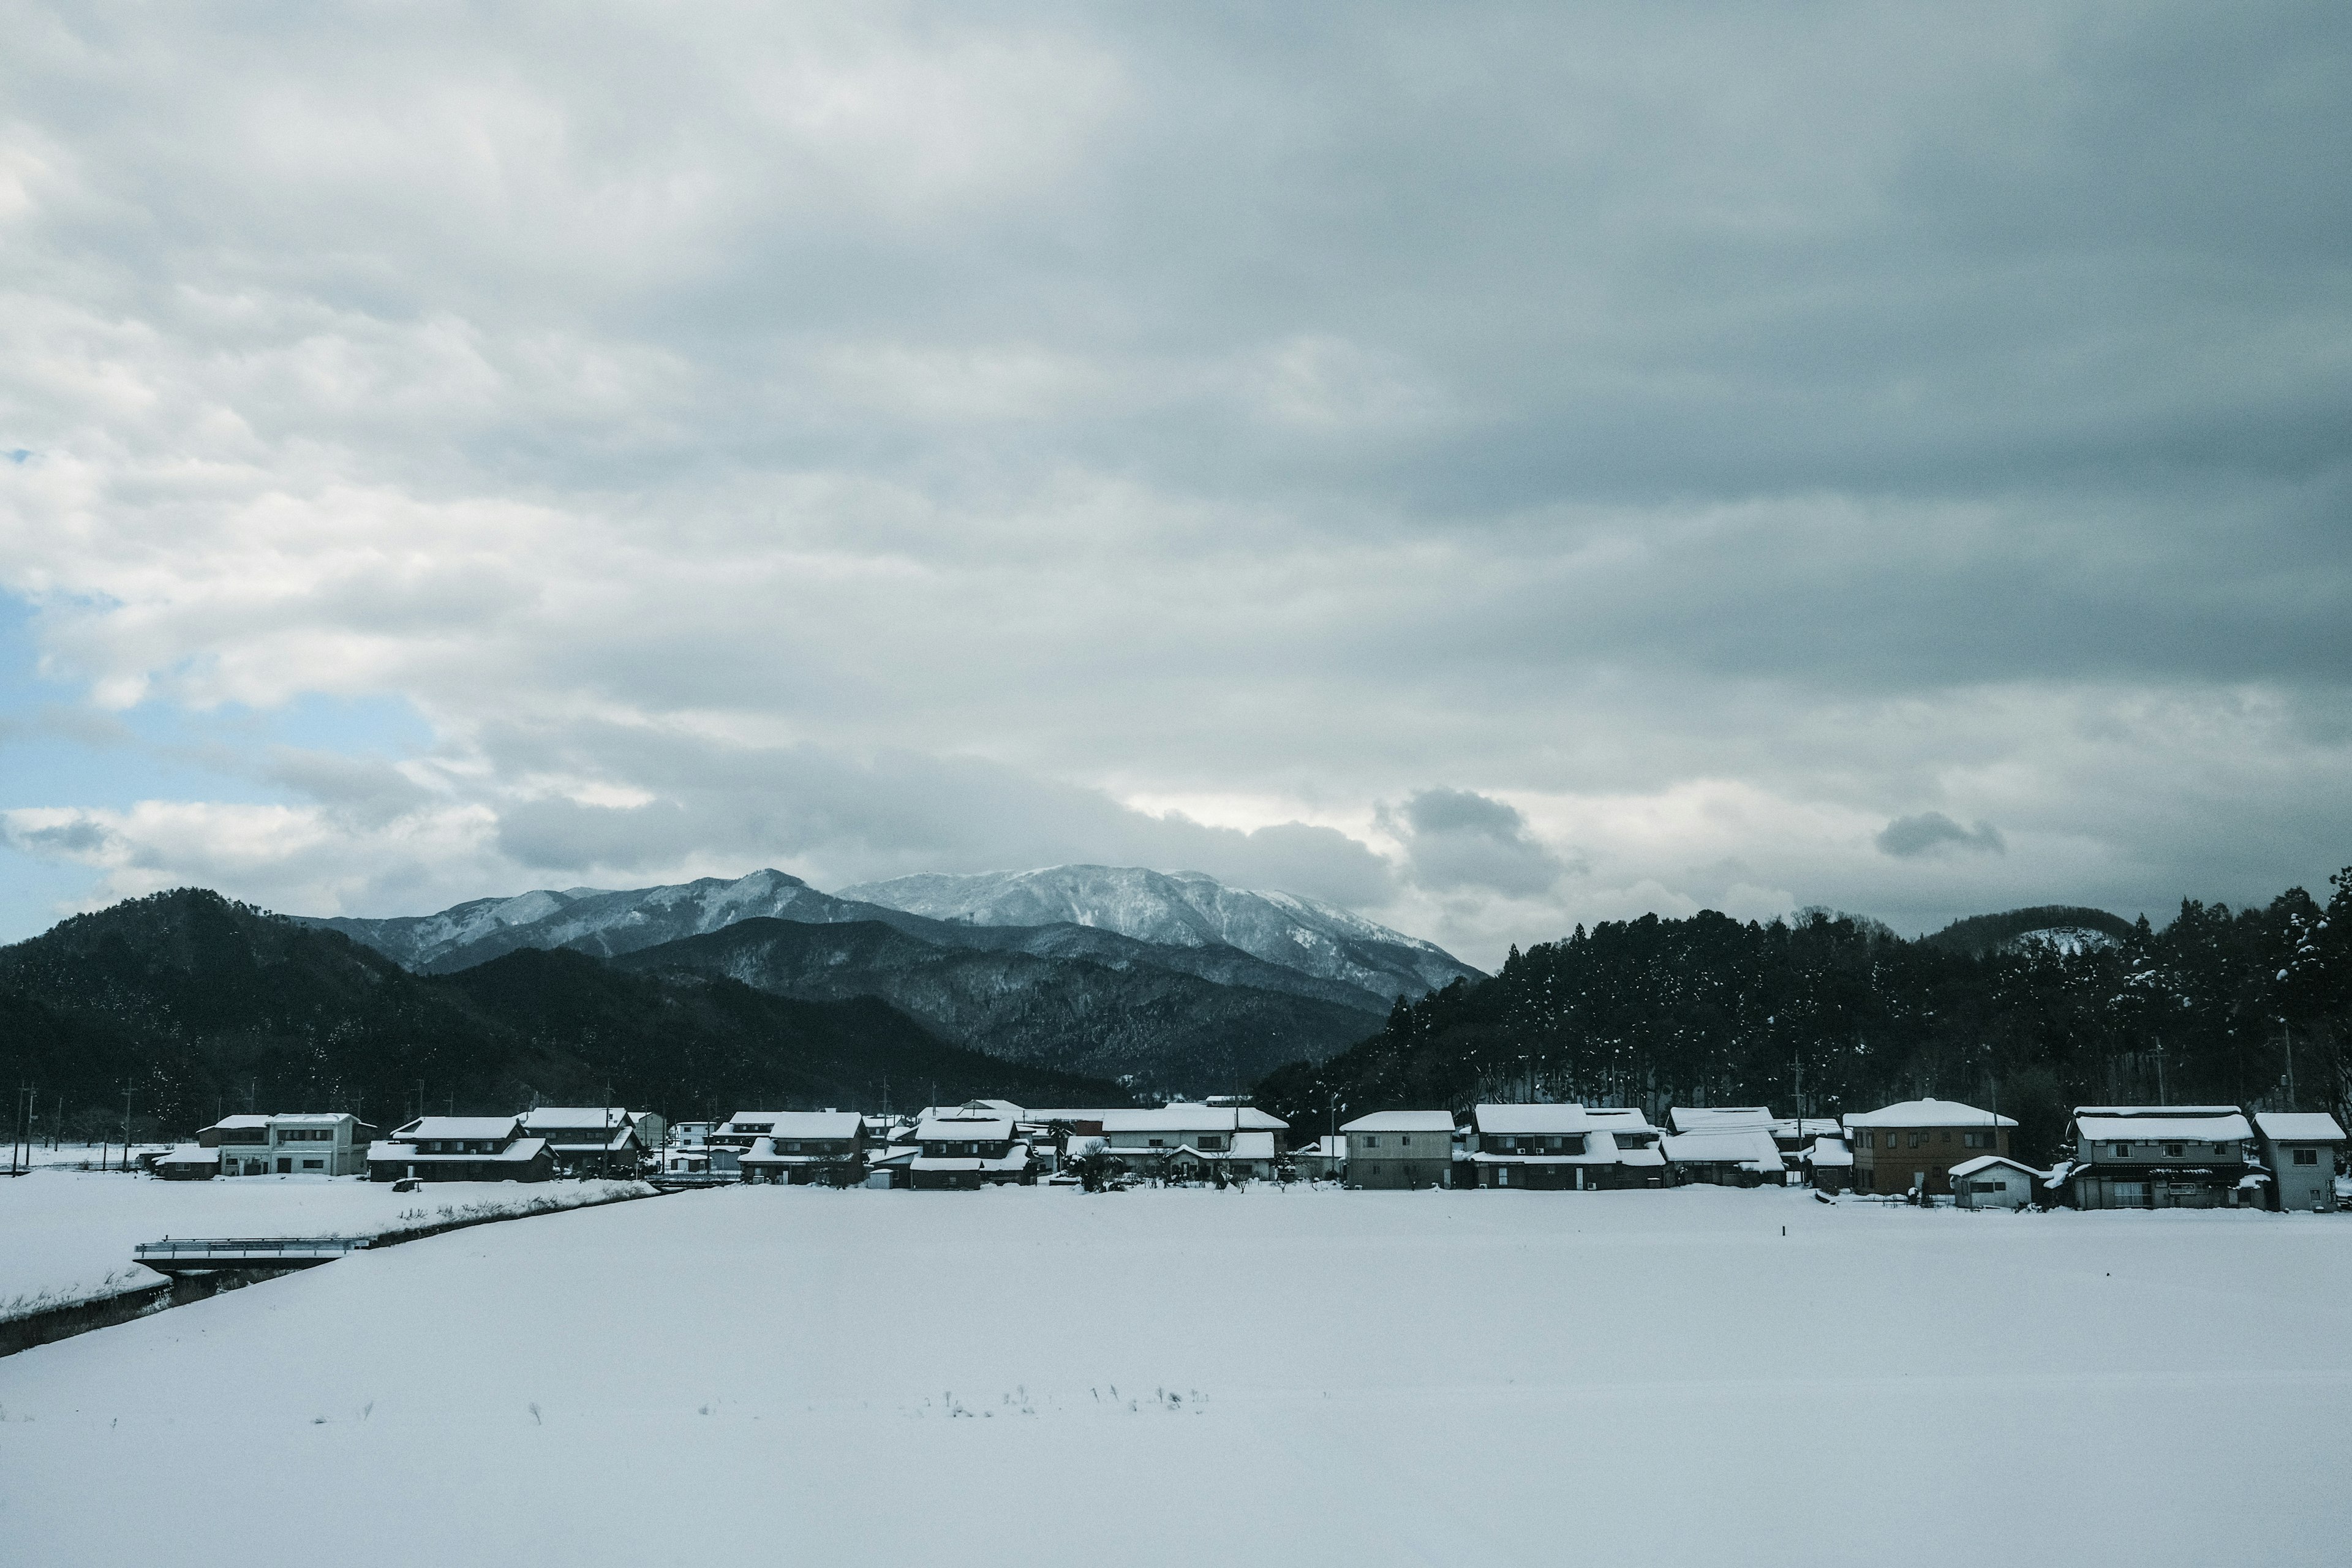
(2220, 1005)
(197, 1004)
(1983, 934)
(1134, 1020)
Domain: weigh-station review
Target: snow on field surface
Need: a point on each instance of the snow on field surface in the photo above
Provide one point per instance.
(65, 1235)
(1254, 1377)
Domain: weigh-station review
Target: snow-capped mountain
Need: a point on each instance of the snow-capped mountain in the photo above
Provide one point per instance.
(594, 919)
(1183, 909)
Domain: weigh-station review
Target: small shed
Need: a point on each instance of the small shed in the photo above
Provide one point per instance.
(2302, 1148)
(1994, 1182)
(189, 1162)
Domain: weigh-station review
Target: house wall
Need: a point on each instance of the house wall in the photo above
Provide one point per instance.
(2299, 1189)
(2012, 1190)
(1885, 1158)
(1398, 1161)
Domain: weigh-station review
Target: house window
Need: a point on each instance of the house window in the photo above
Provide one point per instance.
(1406, 1141)
(2172, 1151)
(1976, 1140)
(313, 1165)
(2306, 1157)
(1372, 1142)
(2122, 1150)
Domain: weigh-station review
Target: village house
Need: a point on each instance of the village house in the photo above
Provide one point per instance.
(726, 1143)
(964, 1151)
(588, 1141)
(1390, 1150)
(1722, 1146)
(802, 1147)
(1189, 1141)
(1916, 1144)
(2302, 1150)
(1828, 1162)
(2163, 1156)
(1992, 1182)
(461, 1149)
(189, 1162)
(285, 1143)
(1639, 1151)
(1545, 1147)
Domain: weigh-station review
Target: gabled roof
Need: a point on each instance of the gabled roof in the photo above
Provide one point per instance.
(569, 1117)
(1928, 1114)
(1987, 1161)
(240, 1120)
(1830, 1152)
(1750, 1147)
(1187, 1116)
(796, 1124)
(1509, 1120)
(1623, 1121)
(963, 1130)
(1401, 1122)
(460, 1127)
(2299, 1126)
(1328, 1147)
(1719, 1118)
(765, 1118)
(2196, 1125)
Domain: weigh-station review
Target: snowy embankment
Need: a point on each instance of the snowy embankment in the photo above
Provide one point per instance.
(1254, 1377)
(67, 1235)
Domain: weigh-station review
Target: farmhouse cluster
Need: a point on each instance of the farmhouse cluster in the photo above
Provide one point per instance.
(2117, 1156)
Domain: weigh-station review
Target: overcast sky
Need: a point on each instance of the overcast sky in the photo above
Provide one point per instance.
(1491, 468)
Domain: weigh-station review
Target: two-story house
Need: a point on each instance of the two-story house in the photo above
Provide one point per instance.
(1395, 1150)
(1916, 1144)
(2304, 1150)
(589, 1140)
(968, 1151)
(726, 1143)
(2162, 1156)
(290, 1143)
(1546, 1147)
(802, 1147)
(461, 1149)
(1189, 1140)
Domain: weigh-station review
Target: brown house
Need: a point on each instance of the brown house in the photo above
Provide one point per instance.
(1917, 1142)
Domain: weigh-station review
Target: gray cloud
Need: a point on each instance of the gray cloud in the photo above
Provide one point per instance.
(951, 439)
(1458, 840)
(1931, 831)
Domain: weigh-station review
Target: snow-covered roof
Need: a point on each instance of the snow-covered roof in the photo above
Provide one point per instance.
(962, 1130)
(750, 1121)
(1624, 1121)
(1252, 1146)
(794, 1124)
(1510, 1119)
(1185, 1116)
(1832, 1152)
(2299, 1126)
(1987, 1161)
(310, 1117)
(1928, 1114)
(1719, 1118)
(242, 1120)
(1014, 1159)
(189, 1154)
(2209, 1124)
(567, 1117)
(522, 1152)
(1600, 1149)
(1749, 1147)
(2156, 1111)
(463, 1127)
(1401, 1122)
(1327, 1147)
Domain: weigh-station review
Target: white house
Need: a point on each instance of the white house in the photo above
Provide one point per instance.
(2302, 1150)
(290, 1144)
(1992, 1182)
(804, 1146)
(1193, 1138)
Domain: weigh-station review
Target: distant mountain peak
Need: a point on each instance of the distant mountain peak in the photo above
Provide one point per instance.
(1183, 909)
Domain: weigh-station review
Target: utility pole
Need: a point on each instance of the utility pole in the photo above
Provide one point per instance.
(2286, 1037)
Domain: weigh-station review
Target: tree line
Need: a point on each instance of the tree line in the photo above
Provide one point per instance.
(1830, 1013)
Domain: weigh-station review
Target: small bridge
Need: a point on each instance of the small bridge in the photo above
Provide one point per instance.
(194, 1253)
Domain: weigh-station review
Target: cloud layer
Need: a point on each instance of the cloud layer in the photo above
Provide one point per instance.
(1492, 469)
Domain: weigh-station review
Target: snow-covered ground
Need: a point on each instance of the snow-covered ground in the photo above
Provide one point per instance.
(65, 1235)
(1256, 1377)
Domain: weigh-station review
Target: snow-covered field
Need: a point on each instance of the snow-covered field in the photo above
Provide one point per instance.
(1252, 1377)
(65, 1235)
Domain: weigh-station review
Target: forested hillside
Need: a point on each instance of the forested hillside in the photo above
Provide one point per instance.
(2220, 1004)
(196, 1005)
